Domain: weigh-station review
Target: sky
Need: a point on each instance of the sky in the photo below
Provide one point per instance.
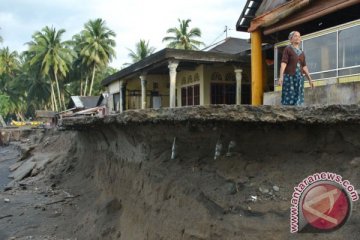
(131, 20)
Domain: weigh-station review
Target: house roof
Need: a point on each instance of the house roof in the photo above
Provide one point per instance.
(231, 45)
(314, 16)
(102, 99)
(248, 13)
(276, 18)
(278, 15)
(83, 102)
(157, 63)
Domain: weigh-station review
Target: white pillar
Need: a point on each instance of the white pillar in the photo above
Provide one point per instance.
(143, 91)
(172, 71)
(238, 85)
(121, 87)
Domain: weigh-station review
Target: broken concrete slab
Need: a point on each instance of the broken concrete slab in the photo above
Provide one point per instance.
(15, 166)
(41, 163)
(24, 170)
(8, 157)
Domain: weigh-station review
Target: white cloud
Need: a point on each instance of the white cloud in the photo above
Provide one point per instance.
(131, 20)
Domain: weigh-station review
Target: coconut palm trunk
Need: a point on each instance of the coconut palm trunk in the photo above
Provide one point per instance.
(63, 99)
(81, 87)
(53, 99)
(58, 91)
(86, 83)
(92, 80)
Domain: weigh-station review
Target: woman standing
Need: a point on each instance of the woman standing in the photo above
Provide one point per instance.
(292, 70)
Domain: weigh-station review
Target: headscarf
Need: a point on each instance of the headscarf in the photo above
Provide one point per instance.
(291, 34)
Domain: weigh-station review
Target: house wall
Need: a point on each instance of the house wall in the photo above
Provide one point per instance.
(112, 89)
(208, 70)
(134, 87)
(183, 79)
(204, 72)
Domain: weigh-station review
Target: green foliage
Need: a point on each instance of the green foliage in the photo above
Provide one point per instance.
(9, 61)
(51, 70)
(95, 47)
(54, 57)
(142, 50)
(5, 105)
(98, 45)
(53, 54)
(73, 86)
(182, 37)
(11, 85)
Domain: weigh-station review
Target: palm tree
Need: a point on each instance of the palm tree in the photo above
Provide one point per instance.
(142, 50)
(10, 91)
(183, 38)
(79, 68)
(97, 47)
(37, 86)
(9, 61)
(9, 67)
(53, 55)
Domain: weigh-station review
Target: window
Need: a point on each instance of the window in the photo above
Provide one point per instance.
(197, 94)
(349, 51)
(277, 58)
(223, 93)
(116, 99)
(320, 55)
(190, 95)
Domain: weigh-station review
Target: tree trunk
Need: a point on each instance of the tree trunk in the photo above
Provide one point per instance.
(63, 100)
(81, 86)
(58, 91)
(20, 116)
(86, 83)
(53, 99)
(92, 80)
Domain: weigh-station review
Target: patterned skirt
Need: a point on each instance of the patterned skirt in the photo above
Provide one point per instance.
(293, 89)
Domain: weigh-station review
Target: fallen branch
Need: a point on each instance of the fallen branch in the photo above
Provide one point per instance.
(62, 200)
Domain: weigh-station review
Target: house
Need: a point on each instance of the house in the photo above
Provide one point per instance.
(330, 32)
(85, 105)
(174, 78)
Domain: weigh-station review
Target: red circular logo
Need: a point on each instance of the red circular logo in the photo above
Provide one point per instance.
(325, 206)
